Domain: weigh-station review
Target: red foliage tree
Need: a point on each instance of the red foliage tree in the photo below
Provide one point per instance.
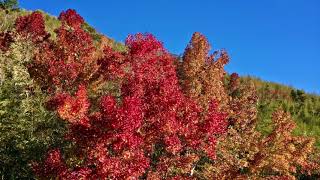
(69, 61)
(243, 153)
(71, 18)
(152, 117)
(31, 26)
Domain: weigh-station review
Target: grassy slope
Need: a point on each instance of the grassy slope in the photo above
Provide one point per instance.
(7, 19)
(304, 107)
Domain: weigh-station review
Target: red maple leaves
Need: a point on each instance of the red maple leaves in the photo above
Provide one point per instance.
(31, 25)
(71, 18)
(119, 137)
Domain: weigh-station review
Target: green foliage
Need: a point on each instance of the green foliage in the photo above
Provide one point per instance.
(304, 108)
(120, 47)
(51, 23)
(8, 17)
(27, 129)
(94, 34)
(9, 4)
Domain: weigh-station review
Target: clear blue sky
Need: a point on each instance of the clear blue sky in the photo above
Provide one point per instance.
(275, 40)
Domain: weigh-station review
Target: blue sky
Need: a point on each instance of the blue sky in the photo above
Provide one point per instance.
(275, 40)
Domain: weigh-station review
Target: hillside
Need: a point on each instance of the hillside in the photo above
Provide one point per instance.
(30, 125)
(8, 17)
(304, 107)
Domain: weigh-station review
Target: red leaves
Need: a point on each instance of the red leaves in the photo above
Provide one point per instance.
(124, 121)
(119, 136)
(5, 40)
(31, 25)
(52, 166)
(173, 144)
(129, 165)
(215, 122)
(68, 62)
(128, 117)
(71, 18)
(74, 109)
(54, 161)
(76, 41)
(142, 44)
(113, 66)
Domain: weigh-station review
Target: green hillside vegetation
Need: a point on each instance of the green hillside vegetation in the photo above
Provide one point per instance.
(303, 107)
(27, 128)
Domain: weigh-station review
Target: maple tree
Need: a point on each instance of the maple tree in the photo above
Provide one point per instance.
(152, 129)
(63, 64)
(243, 152)
(203, 74)
(31, 25)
